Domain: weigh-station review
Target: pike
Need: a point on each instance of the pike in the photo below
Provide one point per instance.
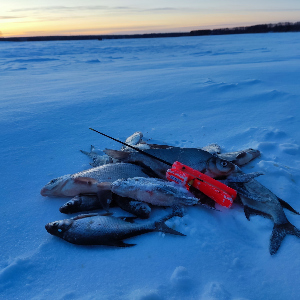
(189, 177)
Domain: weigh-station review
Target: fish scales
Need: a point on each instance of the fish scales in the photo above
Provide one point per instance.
(105, 228)
(111, 172)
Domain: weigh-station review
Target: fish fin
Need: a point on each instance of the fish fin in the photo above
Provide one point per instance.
(83, 216)
(103, 200)
(85, 152)
(251, 211)
(243, 178)
(287, 206)
(212, 149)
(177, 210)
(247, 212)
(120, 155)
(161, 226)
(138, 208)
(118, 243)
(203, 199)
(128, 219)
(156, 146)
(241, 155)
(104, 194)
(279, 233)
(85, 180)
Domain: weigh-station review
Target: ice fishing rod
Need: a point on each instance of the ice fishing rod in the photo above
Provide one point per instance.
(135, 148)
(186, 176)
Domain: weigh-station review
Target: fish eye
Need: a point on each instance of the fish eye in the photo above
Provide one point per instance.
(55, 224)
(53, 180)
(224, 163)
(69, 203)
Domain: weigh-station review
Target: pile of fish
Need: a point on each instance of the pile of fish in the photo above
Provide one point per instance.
(135, 183)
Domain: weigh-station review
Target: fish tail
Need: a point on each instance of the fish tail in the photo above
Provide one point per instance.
(161, 226)
(85, 152)
(279, 233)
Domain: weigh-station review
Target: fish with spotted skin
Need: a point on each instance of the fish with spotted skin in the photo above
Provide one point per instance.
(95, 229)
(258, 200)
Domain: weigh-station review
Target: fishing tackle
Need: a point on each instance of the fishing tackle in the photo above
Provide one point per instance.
(189, 177)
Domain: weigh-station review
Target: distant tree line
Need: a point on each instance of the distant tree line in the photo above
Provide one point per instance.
(262, 28)
(52, 38)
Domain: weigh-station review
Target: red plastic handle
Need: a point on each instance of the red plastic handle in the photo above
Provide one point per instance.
(216, 190)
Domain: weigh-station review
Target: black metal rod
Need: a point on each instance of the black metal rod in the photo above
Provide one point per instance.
(137, 149)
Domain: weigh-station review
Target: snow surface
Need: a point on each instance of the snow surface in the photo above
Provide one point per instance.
(238, 91)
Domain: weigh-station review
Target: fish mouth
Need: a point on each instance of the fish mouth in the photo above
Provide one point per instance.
(44, 192)
(48, 227)
(50, 193)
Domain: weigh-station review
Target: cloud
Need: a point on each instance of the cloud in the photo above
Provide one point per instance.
(100, 8)
(9, 17)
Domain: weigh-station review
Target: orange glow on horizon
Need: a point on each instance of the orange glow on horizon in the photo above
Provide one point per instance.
(128, 24)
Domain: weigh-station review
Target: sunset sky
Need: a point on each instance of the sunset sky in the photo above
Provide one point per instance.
(73, 17)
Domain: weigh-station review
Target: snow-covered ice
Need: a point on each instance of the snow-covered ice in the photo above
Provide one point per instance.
(239, 91)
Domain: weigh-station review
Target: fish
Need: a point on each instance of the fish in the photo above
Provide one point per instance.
(138, 208)
(259, 200)
(198, 159)
(132, 140)
(85, 182)
(81, 203)
(97, 229)
(242, 157)
(99, 159)
(212, 148)
(153, 191)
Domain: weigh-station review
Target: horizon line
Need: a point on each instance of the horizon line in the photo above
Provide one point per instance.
(141, 33)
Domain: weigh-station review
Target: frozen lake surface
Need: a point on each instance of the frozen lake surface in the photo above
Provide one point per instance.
(239, 91)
